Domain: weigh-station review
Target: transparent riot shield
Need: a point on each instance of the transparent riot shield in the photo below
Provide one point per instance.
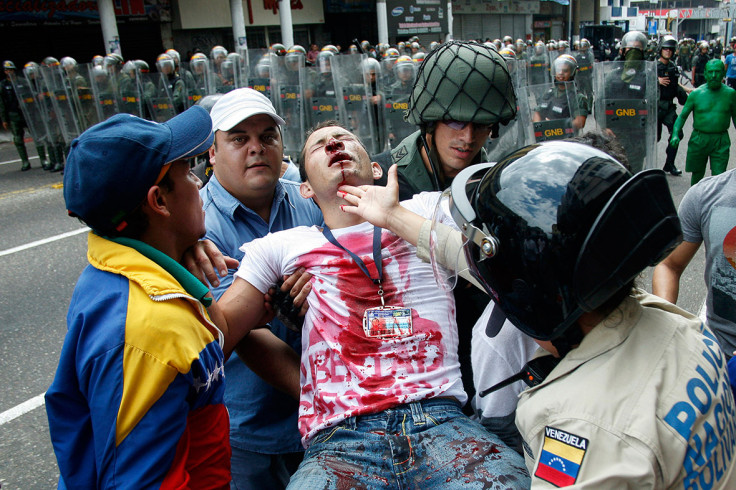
(62, 102)
(626, 105)
(319, 96)
(354, 101)
(33, 111)
(157, 96)
(258, 62)
(371, 72)
(288, 92)
(130, 98)
(538, 66)
(509, 138)
(237, 68)
(553, 111)
(517, 70)
(106, 101)
(197, 81)
(584, 74)
(396, 103)
(84, 97)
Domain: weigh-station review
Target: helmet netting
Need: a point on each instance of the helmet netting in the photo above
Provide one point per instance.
(462, 81)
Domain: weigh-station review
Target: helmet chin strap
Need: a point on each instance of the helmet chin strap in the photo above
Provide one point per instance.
(435, 171)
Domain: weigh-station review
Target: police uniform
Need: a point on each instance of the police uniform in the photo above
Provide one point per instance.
(644, 401)
(666, 109)
(554, 105)
(584, 75)
(11, 114)
(699, 62)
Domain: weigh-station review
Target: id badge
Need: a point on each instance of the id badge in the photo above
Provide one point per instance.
(387, 322)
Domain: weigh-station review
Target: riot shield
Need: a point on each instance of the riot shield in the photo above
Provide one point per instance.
(552, 111)
(131, 99)
(626, 104)
(157, 96)
(84, 97)
(33, 111)
(258, 64)
(289, 101)
(517, 70)
(584, 74)
(197, 81)
(538, 67)
(106, 101)
(319, 95)
(509, 138)
(62, 101)
(354, 100)
(396, 103)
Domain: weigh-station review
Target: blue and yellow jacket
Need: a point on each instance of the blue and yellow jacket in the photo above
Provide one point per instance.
(137, 398)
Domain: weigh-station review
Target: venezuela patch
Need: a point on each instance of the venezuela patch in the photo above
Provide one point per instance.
(561, 457)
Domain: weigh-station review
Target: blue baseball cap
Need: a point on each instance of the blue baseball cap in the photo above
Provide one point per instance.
(112, 165)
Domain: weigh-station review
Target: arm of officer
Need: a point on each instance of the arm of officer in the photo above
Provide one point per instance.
(666, 276)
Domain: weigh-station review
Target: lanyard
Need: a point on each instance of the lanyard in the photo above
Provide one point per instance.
(376, 257)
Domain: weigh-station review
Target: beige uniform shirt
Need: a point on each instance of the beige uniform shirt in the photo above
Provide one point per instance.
(643, 402)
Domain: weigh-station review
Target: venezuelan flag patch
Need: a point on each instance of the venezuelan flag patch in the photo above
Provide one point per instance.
(561, 457)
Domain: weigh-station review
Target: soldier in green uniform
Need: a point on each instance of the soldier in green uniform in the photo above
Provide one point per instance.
(12, 117)
(714, 108)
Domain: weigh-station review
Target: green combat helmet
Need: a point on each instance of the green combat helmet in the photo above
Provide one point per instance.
(462, 81)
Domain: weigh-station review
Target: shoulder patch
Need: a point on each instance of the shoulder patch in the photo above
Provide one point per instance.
(400, 153)
(561, 457)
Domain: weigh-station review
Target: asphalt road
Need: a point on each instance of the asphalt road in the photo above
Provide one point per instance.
(36, 282)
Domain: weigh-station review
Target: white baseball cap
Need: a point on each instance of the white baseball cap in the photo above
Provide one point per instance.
(238, 105)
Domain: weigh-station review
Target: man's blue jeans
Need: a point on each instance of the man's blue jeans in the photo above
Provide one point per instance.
(428, 444)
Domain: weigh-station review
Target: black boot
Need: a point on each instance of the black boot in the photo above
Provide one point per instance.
(671, 169)
(25, 166)
(58, 167)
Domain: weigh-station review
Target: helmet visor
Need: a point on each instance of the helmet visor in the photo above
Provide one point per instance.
(446, 245)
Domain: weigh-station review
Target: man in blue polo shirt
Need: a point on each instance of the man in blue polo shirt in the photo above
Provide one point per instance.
(244, 200)
(731, 70)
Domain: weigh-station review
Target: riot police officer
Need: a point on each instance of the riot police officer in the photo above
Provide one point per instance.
(669, 88)
(12, 117)
(699, 61)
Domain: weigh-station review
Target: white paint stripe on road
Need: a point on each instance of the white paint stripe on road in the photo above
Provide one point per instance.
(43, 242)
(22, 409)
(17, 160)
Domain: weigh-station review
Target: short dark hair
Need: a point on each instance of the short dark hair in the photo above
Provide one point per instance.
(607, 144)
(303, 154)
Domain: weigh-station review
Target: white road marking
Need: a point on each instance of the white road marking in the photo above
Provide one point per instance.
(23, 408)
(42, 242)
(17, 160)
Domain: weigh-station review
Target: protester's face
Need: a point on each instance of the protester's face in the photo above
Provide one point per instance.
(184, 204)
(333, 156)
(456, 146)
(247, 158)
(713, 76)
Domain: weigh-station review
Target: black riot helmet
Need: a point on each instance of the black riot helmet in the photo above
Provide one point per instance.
(559, 228)
(668, 42)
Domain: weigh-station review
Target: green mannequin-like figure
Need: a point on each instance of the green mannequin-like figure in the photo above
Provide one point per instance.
(714, 107)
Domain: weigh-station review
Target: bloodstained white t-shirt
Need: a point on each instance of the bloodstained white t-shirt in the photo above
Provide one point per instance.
(345, 373)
